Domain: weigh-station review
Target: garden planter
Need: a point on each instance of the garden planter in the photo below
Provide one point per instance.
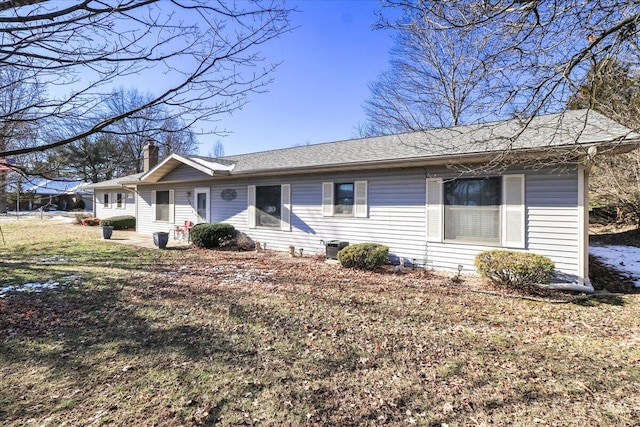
(106, 231)
(160, 239)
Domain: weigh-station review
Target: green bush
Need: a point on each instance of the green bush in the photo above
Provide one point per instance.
(364, 256)
(519, 270)
(211, 235)
(122, 222)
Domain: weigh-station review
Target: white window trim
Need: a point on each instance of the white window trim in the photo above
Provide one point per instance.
(123, 201)
(435, 212)
(285, 207)
(171, 207)
(108, 204)
(360, 199)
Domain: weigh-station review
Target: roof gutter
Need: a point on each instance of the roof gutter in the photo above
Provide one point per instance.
(579, 151)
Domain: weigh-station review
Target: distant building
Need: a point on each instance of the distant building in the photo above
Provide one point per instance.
(52, 195)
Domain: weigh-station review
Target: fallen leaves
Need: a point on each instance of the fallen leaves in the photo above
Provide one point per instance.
(205, 337)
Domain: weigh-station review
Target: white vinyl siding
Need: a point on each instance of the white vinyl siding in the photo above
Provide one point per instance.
(398, 212)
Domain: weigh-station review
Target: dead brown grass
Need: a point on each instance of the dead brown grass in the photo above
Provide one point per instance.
(197, 337)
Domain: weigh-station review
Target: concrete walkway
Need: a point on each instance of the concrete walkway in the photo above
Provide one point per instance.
(144, 241)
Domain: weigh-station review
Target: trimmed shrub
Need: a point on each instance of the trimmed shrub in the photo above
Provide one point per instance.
(519, 270)
(363, 256)
(211, 235)
(122, 222)
(78, 205)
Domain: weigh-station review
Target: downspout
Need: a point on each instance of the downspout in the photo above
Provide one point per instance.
(584, 284)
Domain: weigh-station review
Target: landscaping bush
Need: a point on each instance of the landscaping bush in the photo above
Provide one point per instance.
(122, 222)
(364, 256)
(519, 270)
(78, 205)
(211, 235)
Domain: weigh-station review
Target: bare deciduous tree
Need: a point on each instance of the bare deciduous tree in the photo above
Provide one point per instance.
(433, 81)
(16, 99)
(533, 54)
(218, 150)
(154, 123)
(201, 55)
(613, 88)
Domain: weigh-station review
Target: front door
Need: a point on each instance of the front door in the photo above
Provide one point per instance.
(203, 196)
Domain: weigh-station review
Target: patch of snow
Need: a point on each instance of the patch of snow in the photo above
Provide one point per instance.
(52, 260)
(37, 286)
(626, 259)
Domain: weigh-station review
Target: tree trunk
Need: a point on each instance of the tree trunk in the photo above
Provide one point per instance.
(3, 192)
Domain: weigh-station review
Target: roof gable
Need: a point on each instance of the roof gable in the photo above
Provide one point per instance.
(209, 167)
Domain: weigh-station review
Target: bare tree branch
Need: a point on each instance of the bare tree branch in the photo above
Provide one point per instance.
(203, 57)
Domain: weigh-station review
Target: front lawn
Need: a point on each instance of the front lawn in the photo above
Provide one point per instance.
(146, 337)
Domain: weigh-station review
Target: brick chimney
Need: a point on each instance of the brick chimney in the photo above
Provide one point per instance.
(150, 156)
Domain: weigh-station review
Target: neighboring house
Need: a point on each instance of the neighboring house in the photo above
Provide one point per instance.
(51, 194)
(111, 198)
(408, 191)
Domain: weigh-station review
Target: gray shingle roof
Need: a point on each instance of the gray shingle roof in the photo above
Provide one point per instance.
(117, 182)
(568, 129)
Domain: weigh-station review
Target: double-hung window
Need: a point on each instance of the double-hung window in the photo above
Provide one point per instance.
(472, 210)
(105, 200)
(119, 200)
(485, 211)
(162, 205)
(269, 206)
(345, 199)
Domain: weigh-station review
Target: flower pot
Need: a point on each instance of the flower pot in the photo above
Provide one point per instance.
(160, 239)
(106, 231)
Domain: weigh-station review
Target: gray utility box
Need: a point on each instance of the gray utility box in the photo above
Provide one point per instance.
(333, 247)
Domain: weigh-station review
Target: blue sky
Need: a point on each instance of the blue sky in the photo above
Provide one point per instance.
(321, 85)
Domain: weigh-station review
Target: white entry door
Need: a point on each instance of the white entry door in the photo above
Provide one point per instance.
(203, 206)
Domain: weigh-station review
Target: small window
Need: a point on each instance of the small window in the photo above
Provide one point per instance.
(268, 206)
(343, 203)
(472, 210)
(345, 199)
(162, 205)
(105, 200)
(119, 200)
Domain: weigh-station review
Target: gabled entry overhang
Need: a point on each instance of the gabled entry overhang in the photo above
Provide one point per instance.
(209, 167)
